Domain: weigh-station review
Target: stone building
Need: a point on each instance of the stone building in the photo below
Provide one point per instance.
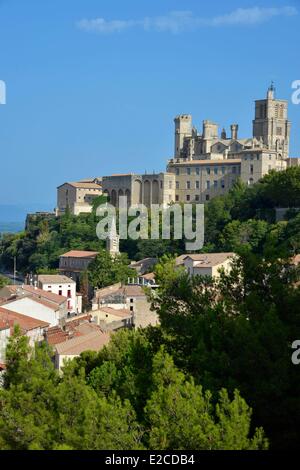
(144, 189)
(207, 165)
(78, 196)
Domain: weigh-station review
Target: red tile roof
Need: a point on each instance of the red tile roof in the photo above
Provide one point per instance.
(25, 322)
(80, 254)
(37, 293)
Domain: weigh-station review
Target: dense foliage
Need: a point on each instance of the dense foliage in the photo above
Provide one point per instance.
(237, 332)
(125, 401)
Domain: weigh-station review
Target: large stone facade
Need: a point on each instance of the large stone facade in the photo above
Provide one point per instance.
(206, 165)
(144, 189)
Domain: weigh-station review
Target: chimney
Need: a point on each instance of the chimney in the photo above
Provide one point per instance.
(234, 131)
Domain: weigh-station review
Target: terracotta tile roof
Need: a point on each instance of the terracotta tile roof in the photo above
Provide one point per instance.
(179, 260)
(122, 313)
(37, 293)
(104, 291)
(207, 260)
(133, 291)
(80, 254)
(54, 279)
(91, 342)
(25, 322)
(87, 328)
(148, 276)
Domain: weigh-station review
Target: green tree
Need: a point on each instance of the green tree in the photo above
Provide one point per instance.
(4, 281)
(182, 417)
(106, 270)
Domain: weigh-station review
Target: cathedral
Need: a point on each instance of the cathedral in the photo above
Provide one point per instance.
(206, 163)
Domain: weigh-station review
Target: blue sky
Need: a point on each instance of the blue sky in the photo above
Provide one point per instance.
(93, 85)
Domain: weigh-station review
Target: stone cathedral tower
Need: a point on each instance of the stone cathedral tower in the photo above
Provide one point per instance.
(271, 125)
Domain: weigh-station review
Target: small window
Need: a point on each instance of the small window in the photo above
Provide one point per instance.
(223, 170)
(215, 184)
(60, 292)
(131, 308)
(207, 197)
(216, 170)
(197, 171)
(208, 171)
(197, 184)
(177, 171)
(188, 197)
(223, 184)
(176, 198)
(188, 171)
(188, 185)
(207, 184)
(177, 184)
(197, 197)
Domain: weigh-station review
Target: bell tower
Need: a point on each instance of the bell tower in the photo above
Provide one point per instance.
(271, 124)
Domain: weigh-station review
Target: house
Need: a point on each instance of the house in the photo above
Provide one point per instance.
(62, 285)
(132, 298)
(78, 196)
(31, 327)
(207, 264)
(109, 318)
(67, 350)
(35, 302)
(73, 263)
(36, 308)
